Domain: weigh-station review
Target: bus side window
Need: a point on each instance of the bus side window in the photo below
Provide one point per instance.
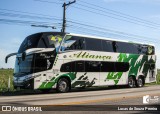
(92, 66)
(114, 66)
(73, 43)
(107, 46)
(68, 67)
(93, 44)
(144, 50)
(80, 66)
(40, 63)
(124, 47)
(108, 67)
(79, 44)
(121, 66)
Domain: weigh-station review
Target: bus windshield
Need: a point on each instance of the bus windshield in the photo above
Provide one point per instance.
(23, 66)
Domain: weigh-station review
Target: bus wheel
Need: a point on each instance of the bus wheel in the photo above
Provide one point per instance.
(131, 82)
(140, 82)
(63, 85)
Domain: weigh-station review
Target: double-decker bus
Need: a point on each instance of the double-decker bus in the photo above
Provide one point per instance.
(63, 61)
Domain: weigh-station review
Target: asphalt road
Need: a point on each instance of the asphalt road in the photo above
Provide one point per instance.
(88, 99)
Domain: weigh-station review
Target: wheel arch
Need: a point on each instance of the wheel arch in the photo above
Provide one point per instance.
(133, 76)
(66, 77)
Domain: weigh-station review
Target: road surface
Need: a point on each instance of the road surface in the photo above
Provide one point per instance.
(92, 98)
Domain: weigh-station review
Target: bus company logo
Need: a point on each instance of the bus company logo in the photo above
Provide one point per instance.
(6, 108)
(148, 99)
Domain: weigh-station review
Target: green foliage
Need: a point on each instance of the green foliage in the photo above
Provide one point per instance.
(4, 77)
(158, 76)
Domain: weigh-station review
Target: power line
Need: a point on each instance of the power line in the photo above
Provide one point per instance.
(87, 26)
(23, 22)
(104, 29)
(49, 1)
(115, 17)
(119, 13)
(75, 23)
(26, 16)
(10, 10)
(11, 14)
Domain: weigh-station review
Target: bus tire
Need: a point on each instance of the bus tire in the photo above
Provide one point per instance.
(140, 82)
(131, 82)
(63, 85)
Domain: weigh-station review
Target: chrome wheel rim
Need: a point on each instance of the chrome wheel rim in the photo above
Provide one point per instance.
(62, 86)
(130, 83)
(140, 82)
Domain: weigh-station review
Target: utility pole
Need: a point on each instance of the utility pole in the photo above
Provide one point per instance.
(64, 15)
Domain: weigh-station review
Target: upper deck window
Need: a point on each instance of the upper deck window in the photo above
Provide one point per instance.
(85, 43)
(73, 43)
(93, 44)
(30, 42)
(42, 40)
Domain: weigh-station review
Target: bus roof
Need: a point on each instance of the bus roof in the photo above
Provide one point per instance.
(105, 38)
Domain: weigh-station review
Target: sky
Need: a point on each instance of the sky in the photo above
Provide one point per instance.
(140, 18)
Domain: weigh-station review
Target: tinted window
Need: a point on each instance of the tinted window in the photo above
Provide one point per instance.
(114, 66)
(75, 66)
(30, 42)
(80, 66)
(33, 40)
(41, 40)
(107, 46)
(93, 44)
(68, 67)
(146, 49)
(44, 61)
(107, 67)
(52, 40)
(73, 43)
(121, 66)
(24, 66)
(42, 44)
(92, 66)
(123, 47)
(153, 50)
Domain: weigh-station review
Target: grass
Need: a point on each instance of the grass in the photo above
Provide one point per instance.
(158, 77)
(4, 77)
(6, 73)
